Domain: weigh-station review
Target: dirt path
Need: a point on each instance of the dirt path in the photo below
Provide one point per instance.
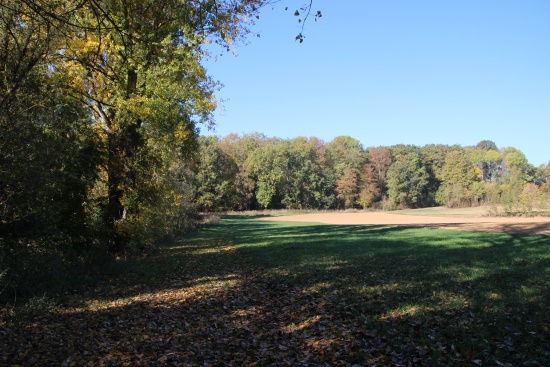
(474, 222)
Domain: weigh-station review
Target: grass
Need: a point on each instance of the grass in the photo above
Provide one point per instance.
(249, 292)
(483, 296)
(442, 211)
(469, 212)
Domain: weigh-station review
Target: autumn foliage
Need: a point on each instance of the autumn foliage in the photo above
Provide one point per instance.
(308, 173)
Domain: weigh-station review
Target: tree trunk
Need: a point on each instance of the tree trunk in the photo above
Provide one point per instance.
(115, 193)
(123, 145)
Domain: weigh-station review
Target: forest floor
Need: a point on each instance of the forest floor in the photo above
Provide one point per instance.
(469, 219)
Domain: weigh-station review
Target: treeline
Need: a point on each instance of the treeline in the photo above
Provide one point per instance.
(256, 172)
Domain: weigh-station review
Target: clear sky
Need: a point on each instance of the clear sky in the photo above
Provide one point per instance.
(389, 72)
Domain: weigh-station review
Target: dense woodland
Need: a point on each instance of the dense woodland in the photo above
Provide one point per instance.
(256, 172)
(100, 151)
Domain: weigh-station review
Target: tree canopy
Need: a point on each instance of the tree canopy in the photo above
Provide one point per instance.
(308, 173)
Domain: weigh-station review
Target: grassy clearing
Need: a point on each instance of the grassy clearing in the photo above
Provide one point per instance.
(248, 292)
(442, 211)
(464, 297)
(471, 212)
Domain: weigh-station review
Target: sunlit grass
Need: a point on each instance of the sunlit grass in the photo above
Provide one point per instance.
(341, 295)
(457, 282)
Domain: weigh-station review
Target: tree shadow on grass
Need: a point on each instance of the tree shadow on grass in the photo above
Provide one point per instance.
(513, 228)
(250, 293)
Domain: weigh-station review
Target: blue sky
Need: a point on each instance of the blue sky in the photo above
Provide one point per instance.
(395, 72)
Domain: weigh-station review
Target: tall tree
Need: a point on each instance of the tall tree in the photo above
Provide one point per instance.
(434, 156)
(216, 177)
(407, 181)
(240, 148)
(493, 164)
(345, 152)
(457, 178)
(347, 188)
(270, 167)
(308, 183)
(369, 185)
(380, 159)
(488, 159)
(515, 174)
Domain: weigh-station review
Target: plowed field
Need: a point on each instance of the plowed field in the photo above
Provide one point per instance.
(471, 219)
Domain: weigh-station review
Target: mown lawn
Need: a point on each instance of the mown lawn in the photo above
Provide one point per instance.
(248, 292)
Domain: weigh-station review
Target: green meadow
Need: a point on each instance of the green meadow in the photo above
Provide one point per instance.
(250, 292)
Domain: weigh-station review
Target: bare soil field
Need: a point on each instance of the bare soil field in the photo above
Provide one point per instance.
(469, 219)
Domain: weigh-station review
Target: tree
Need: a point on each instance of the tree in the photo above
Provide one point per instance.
(347, 188)
(530, 197)
(515, 165)
(544, 184)
(488, 161)
(515, 174)
(297, 193)
(407, 181)
(49, 161)
(370, 189)
(215, 178)
(149, 115)
(380, 159)
(493, 162)
(345, 151)
(240, 149)
(478, 192)
(309, 186)
(323, 181)
(26, 42)
(404, 149)
(486, 145)
(457, 177)
(433, 156)
(270, 166)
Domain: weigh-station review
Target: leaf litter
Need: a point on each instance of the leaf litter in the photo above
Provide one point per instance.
(245, 315)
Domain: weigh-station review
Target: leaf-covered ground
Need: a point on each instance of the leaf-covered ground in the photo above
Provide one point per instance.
(250, 293)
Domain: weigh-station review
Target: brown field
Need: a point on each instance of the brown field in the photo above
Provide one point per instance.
(470, 219)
